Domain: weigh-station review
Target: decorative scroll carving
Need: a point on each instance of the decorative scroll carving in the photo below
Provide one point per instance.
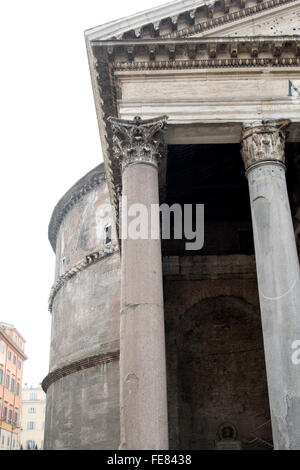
(263, 141)
(90, 259)
(138, 141)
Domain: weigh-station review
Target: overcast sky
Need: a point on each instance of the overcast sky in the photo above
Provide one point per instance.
(48, 139)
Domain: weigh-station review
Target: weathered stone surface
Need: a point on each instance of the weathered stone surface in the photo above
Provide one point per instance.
(279, 289)
(82, 230)
(82, 410)
(264, 141)
(85, 316)
(83, 384)
(86, 184)
(143, 393)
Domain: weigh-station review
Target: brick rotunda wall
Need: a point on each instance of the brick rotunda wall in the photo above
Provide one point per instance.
(215, 356)
(83, 382)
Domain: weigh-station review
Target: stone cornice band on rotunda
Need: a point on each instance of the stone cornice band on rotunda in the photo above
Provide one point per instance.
(85, 185)
(89, 260)
(79, 365)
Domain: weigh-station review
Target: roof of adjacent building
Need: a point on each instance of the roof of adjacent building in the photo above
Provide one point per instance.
(8, 339)
(10, 326)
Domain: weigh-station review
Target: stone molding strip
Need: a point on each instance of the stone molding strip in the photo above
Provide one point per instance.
(77, 366)
(89, 260)
(210, 63)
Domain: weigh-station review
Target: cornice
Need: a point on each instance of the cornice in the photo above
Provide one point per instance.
(86, 184)
(77, 366)
(184, 53)
(89, 260)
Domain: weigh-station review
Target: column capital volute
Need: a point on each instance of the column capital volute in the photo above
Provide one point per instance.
(138, 140)
(264, 141)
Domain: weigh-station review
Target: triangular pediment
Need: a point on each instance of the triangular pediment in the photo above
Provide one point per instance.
(282, 22)
(135, 24)
(206, 18)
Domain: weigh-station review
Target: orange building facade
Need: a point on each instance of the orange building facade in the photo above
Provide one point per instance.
(12, 359)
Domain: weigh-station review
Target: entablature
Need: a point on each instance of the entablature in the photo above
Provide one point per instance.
(231, 80)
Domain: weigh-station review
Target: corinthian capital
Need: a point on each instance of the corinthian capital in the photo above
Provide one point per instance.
(138, 141)
(263, 141)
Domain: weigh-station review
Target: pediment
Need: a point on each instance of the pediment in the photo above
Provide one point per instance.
(283, 22)
(206, 18)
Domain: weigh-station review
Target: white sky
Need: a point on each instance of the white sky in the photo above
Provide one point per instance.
(48, 140)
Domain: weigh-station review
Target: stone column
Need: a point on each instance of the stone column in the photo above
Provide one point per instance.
(278, 274)
(296, 197)
(143, 391)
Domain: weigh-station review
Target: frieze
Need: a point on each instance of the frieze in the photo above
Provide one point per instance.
(209, 63)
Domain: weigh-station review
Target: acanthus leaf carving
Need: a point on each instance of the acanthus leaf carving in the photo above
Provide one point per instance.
(264, 141)
(138, 141)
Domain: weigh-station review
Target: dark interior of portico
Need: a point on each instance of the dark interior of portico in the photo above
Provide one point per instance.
(215, 356)
(211, 175)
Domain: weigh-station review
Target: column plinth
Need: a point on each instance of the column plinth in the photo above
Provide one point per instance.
(278, 275)
(143, 390)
